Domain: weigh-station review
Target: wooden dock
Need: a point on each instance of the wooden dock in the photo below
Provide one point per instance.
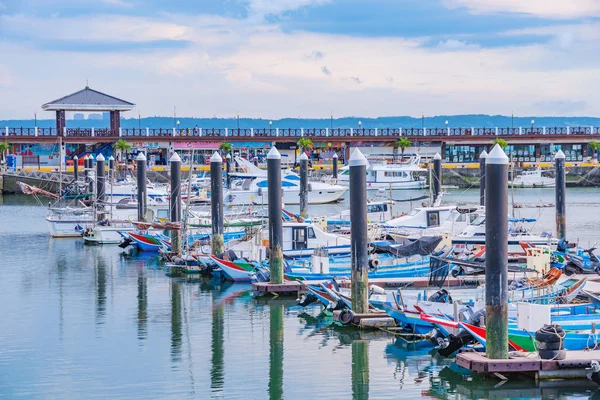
(572, 367)
(286, 288)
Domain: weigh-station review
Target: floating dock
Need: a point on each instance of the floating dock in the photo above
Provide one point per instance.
(286, 288)
(575, 366)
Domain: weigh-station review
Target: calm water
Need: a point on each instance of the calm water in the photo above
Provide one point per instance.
(93, 322)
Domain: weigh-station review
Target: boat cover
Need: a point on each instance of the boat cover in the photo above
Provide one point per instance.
(423, 246)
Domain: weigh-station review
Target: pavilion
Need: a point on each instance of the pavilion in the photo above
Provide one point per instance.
(88, 100)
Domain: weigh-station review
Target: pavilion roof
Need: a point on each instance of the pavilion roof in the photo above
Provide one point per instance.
(88, 100)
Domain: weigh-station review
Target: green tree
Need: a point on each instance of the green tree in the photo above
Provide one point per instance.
(305, 144)
(121, 146)
(500, 142)
(403, 143)
(226, 147)
(4, 147)
(594, 146)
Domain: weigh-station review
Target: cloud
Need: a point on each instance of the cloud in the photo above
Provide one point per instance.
(315, 55)
(121, 3)
(325, 70)
(555, 9)
(457, 45)
(355, 79)
(263, 8)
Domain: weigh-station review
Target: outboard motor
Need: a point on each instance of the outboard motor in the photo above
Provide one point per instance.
(441, 296)
(306, 299)
(447, 347)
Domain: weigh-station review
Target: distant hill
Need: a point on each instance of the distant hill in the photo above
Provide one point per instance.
(476, 120)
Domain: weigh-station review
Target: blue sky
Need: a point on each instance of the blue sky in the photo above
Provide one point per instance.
(305, 58)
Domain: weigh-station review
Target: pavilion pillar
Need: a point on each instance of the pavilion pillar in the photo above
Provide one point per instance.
(60, 122)
(115, 122)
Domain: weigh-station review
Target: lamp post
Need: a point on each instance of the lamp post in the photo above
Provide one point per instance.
(532, 123)
(447, 130)
(422, 120)
(177, 126)
(35, 118)
(139, 121)
(238, 121)
(270, 127)
(331, 124)
(512, 121)
(359, 124)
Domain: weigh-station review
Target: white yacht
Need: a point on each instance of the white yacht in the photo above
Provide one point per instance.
(383, 174)
(533, 179)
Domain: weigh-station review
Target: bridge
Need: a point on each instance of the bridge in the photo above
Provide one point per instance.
(287, 135)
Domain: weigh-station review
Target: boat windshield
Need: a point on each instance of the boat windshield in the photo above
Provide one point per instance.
(478, 221)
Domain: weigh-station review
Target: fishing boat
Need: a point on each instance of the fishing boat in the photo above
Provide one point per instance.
(390, 174)
(533, 179)
(235, 271)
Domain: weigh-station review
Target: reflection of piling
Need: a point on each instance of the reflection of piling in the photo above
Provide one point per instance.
(275, 217)
(561, 193)
(482, 157)
(358, 235)
(176, 331)
(335, 165)
(304, 185)
(216, 203)
(437, 176)
(175, 201)
(141, 186)
(496, 257)
(100, 185)
(217, 343)
(360, 370)
(76, 169)
(276, 351)
(228, 169)
(142, 297)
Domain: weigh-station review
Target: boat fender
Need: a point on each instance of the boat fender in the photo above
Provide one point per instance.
(374, 289)
(260, 192)
(373, 264)
(310, 188)
(346, 317)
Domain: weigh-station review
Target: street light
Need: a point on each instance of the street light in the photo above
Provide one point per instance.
(139, 121)
(35, 119)
(270, 127)
(446, 123)
(331, 125)
(177, 125)
(532, 123)
(359, 124)
(238, 121)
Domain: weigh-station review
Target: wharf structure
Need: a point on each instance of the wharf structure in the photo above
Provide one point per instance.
(34, 145)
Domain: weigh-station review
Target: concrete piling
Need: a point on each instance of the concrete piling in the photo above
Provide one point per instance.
(275, 217)
(228, 169)
(91, 166)
(76, 169)
(437, 176)
(496, 257)
(358, 235)
(304, 185)
(111, 169)
(100, 185)
(142, 196)
(175, 201)
(216, 203)
(334, 165)
(482, 157)
(561, 193)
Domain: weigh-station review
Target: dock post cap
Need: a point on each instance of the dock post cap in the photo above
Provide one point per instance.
(303, 157)
(497, 156)
(559, 155)
(175, 158)
(483, 154)
(216, 157)
(111, 158)
(437, 156)
(357, 159)
(91, 157)
(75, 158)
(100, 157)
(141, 156)
(335, 155)
(273, 154)
(228, 156)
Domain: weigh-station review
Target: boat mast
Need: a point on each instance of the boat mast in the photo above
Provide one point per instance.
(512, 192)
(60, 163)
(187, 205)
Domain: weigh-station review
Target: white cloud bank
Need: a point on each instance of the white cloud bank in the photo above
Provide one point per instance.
(556, 9)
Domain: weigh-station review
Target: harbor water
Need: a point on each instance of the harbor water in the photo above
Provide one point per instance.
(96, 322)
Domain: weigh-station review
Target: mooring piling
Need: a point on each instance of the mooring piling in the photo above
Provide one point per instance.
(91, 167)
(75, 169)
(304, 185)
(358, 235)
(111, 169)
(216, 203)
(175, 201)
(100, 185)
(437, 176)
(334, 165)
(482, 157)
(86, 169)
(275, 216)
(141, 186)
(561, 193)
(496, 257)
(228, 169)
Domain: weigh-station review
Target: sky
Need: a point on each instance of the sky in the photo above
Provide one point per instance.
(304, 58)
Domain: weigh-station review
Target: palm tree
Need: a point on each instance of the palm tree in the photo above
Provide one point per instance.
(500, 142)
(226, 147)
(305, 144)
(594, 146)
(121, 146)
(403, 143)
(4, 147)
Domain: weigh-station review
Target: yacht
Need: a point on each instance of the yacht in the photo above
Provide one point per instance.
(533, 179)
(383, 174)
(377, 212)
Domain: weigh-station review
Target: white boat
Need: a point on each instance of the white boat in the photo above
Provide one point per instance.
(255, 191)
(127, 188)
(533, 179)
(474, 234)
(383, 174)
(377, 212)
(434, 220)
(107, 234)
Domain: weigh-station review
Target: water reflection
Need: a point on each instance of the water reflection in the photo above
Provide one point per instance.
(360, 369)
(276, 351)
(142, 310)
(217, 348)
(100, 290)
(175, 321)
